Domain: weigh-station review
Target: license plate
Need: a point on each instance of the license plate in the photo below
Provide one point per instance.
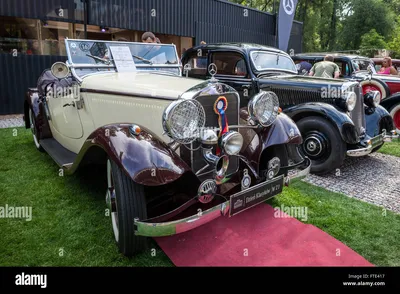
(378, 140)
(255, 195)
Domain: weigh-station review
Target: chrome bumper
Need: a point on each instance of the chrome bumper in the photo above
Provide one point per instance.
(161, 229)
(372, 143)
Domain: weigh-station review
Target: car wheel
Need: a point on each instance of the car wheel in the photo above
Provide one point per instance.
(375, 85)
(126, 201)
(34, 131)
(395, 114)
(322, 143)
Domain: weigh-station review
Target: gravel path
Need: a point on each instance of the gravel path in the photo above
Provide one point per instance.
(11, 121)
(374, 179)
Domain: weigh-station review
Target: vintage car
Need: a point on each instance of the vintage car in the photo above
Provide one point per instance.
(378, 63)
(178, 152)
(333, 115)
(356, 67)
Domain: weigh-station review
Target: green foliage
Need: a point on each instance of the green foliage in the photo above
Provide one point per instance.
(343, 25)
(371, 42)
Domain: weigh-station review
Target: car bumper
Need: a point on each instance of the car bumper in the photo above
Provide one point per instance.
(160, 229)
(373, 143)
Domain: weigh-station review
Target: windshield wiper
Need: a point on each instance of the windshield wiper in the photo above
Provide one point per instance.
(105, 61)
(143, 59)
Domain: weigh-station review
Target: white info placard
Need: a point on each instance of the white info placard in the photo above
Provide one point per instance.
(123, 58)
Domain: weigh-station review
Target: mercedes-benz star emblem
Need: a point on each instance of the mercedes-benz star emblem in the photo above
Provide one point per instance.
(288, 6)
(212, 69)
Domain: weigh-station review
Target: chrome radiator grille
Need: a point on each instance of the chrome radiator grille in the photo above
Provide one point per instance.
(195, 158)
(358, 113)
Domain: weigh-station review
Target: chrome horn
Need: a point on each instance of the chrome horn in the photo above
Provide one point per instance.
(220, 163)
(209, 139)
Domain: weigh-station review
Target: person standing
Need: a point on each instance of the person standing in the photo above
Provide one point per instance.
(149, 37)
(326, 68)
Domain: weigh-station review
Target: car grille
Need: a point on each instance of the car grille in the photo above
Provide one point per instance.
(290, 97)
(195, 158)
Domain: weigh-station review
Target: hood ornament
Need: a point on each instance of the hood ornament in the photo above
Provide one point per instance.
(212, 70)
(187, 68)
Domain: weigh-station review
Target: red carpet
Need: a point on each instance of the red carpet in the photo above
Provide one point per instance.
(256, 238)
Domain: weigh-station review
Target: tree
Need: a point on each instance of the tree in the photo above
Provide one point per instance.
(371, 42)
(364, 15)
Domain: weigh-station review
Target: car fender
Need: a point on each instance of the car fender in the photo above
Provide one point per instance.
(390, 101)
(256, 141)
(145, 158)
(343, 123)
(378, 120)
(33, 101)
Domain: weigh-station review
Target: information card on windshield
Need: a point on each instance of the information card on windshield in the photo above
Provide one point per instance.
(123, 58)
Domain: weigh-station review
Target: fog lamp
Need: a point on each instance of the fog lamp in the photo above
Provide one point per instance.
(232, 143)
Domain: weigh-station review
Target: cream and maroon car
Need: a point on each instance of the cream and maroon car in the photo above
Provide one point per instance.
(178, 152)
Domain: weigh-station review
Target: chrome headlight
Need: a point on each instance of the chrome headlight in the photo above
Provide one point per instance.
(376, 98)
(264, 108)
(183, 119)
(372, 99)
(60, 70)
(350, 100)
(232, 143)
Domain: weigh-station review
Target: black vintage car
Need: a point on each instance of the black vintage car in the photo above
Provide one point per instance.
(333, 115)
(356, 67)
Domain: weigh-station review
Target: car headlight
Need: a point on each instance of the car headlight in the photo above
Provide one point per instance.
(232, 142)
(350, 100)
(264, 108)
(372, 99)
(183, 119)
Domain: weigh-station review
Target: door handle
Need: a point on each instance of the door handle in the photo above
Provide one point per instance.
(69, 104)
(246, 86)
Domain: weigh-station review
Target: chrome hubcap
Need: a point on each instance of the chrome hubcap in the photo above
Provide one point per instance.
(315, 145)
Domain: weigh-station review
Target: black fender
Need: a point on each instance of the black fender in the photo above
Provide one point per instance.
(390, 101)
(338, 118)
(378, 120)
(34, 102)
(145, 158)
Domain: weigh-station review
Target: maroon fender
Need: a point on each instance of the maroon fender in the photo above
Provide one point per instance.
(255, 141)
(33, 101)
(144, 157)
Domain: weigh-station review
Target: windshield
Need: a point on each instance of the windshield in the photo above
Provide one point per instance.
(264, 60)
(89, 56)
(361, 64)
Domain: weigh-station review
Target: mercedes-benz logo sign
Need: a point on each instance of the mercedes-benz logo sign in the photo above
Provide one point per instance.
(212, 69)
(288, 6)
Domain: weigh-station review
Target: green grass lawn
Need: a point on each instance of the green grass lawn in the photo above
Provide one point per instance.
(69, 226)
(391, 148)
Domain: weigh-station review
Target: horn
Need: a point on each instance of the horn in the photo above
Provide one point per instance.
(220, 163)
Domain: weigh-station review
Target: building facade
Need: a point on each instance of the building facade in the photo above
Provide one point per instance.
(32, 32)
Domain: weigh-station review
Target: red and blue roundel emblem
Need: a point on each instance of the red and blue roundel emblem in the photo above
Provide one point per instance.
(220, 106)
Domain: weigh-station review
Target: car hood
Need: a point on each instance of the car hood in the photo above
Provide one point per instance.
(305, 82)
(139, 83)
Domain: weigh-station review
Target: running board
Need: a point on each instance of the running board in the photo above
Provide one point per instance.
(62, 156)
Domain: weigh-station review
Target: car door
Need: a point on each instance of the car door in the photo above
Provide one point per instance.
(232, 69)
(64, 106)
